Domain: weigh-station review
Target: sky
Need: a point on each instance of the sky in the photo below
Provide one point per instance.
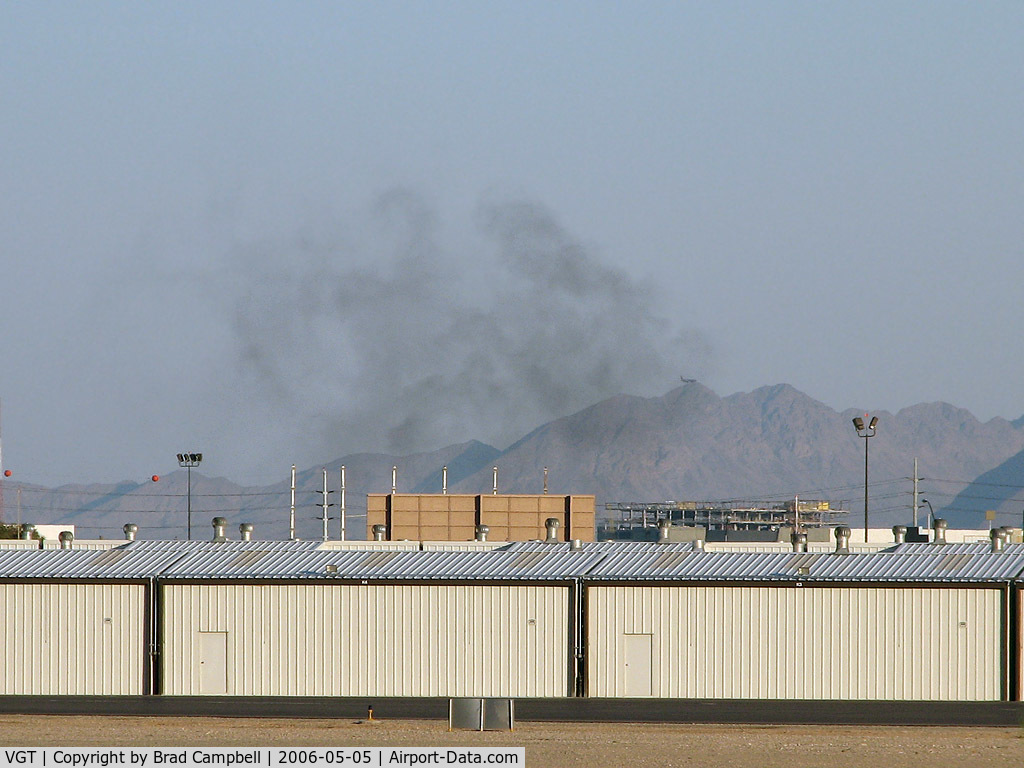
(278, 233)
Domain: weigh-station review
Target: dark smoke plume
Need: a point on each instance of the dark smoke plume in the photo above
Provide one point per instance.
(427, 348)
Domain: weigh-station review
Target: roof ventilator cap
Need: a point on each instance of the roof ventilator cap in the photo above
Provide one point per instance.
(379, 531)
(576, 545)
(843, 534)
(245, 531)
(698, 545)
(551, 524)
(899, 534)
(66, 538)
(219, 529)
(939, 527)
(130, 529)
(26, 531)
(799, 541)
(663, 526)
(996, 535)
(481, 532)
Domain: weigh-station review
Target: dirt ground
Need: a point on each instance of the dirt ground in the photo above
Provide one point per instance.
(636, 745)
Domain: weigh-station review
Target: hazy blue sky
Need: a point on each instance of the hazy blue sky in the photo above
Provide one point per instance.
(276, 232)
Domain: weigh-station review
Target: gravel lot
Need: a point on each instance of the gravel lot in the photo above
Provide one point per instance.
(556, 744)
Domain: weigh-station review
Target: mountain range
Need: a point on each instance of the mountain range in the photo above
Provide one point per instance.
(690, 444)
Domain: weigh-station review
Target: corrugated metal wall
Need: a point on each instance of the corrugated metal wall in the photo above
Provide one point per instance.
(76, 639)
(795, 642)
(373, 640)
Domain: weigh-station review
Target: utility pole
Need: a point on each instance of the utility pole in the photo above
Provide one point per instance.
(325, 505)
(342, 507)
(291, 516)
(915, 493)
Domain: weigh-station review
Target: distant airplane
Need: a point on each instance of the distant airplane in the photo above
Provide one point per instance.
(687, 381)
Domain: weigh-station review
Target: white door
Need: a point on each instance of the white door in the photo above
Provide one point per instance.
(213, 662)
(637, 651)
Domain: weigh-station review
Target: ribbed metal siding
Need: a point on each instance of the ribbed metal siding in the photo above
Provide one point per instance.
(75, 639)
(373, 640)
(801, 642)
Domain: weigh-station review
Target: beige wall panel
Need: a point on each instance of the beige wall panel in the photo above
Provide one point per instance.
(72, 639)
(800, 643)
(524, 504)
(376, 502)
(552, 505)
(462, 503)
(463, 532)
(372, 640)
(401, 502)
(434, 518)
(493, 503)
(498, 532)
(582, 504)
(405, 532)
(434, 503)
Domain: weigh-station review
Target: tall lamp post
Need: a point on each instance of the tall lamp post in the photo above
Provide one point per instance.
(866, 432)
(189, 460)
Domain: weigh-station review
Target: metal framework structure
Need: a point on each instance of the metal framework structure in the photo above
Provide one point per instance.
(721, 515)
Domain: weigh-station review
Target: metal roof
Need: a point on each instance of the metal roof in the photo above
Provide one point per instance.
(117, 563)
(390, 565)
(941, 566)
(525, 561)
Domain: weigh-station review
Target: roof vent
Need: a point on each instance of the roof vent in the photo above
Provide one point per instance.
(245, 531)
(481, 532)
(576, 545)
(996, 535)
(899, 534)
(27, 530)
(843, 534)
(663, 526)
(799, 541)
(698, 545)
(130, 529)
(66, 539)
(219, 527)
(379, 531)
(939, 527)
(551, 524)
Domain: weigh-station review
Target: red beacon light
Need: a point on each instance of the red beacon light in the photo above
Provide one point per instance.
(155, 478)
(7, 473)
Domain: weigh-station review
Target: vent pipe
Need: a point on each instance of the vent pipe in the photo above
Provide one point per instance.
(26, 531)
(394, 480)
(481, 532)
(379, 531)
(799, 541)
(495, 489)
(663, 526)
(996, 534)
(245, 531)
(899, 534)
(545, 480)
(219, 529)
(551, 524)
(843, 534)
(444, 479)
(576, 545)
(939, 528)
(698, 545)
(66, 539)
(130, 529)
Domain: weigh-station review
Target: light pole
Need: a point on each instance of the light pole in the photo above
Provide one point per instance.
(189, 460)
(931, 512)
(865, 432)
